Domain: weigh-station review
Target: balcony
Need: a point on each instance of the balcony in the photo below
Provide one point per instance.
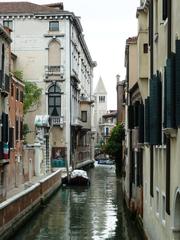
(54, 72)
(77, 122)
(86, 100)
(57, 121)
(4, 82)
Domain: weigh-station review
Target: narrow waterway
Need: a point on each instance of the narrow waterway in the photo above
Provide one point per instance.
(83, 213)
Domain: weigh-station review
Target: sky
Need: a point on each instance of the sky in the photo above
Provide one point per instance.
(106, 26)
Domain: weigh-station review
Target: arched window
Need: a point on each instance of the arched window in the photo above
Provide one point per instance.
(54, 53)
(54, 101)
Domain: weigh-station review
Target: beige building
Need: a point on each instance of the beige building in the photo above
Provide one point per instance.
(158, 54)
(52, 52)
(5, 41)
(134, 126)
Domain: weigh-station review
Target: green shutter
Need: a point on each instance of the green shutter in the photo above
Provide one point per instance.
(136, 106)
(177, 83)
(170, 92)
(155, 110)
(147, 122)
(165, 99)
(141, 122)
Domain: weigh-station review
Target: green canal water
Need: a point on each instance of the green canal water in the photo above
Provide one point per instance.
(84, 213)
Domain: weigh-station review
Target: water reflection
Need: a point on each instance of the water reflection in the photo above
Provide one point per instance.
(77, 213)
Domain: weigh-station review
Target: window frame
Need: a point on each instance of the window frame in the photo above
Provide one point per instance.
(9, 24)
(84, 116)
(53, 28)
(54, 94)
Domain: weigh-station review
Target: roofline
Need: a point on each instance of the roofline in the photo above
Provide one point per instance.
(73, 18)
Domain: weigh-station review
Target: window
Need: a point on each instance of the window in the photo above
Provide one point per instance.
(54, 101)
(21, 129)
(7, 23)
(21, 96)
(101, 99)
(145, 48)
(54, 26)
(165, 8)
(12, 90)
(17, 129)
(17, 94)
(11, 137)
(84, 116)
(106, 131)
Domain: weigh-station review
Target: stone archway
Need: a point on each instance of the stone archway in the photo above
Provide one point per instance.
(176, 227)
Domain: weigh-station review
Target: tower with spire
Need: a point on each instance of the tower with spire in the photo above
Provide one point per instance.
(100, 106)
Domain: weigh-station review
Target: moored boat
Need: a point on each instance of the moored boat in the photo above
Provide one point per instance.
(78, 178)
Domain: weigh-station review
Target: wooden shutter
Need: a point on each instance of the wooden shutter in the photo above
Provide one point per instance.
(130, 117)
(165, 99)
(4, 127)
(136, 107)
(177, 83)
(170, 92)
(141, 123)
(147, 121)
(155, 110)
(11, 137)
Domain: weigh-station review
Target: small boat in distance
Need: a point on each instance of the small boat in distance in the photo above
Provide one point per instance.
(106, 161)
(77, 178)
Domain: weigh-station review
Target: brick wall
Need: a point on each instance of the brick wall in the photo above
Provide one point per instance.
(16, 209)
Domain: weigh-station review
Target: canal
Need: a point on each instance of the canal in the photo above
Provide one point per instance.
(81, 213)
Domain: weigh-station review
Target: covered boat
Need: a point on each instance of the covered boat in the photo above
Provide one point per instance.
(77, 177)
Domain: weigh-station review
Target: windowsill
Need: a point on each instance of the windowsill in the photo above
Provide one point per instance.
(54, 34)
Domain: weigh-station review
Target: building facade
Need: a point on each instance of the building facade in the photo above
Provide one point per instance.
(109, 121)
(54, 54)
(157, 79)
(5, 42)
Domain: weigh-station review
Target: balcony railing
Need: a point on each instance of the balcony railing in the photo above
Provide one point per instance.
(57, 121)
(86, 99)
(54, 70)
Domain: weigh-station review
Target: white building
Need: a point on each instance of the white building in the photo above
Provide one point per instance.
(52, 52)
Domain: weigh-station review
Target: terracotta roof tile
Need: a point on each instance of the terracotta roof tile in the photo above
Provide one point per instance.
(25, 7)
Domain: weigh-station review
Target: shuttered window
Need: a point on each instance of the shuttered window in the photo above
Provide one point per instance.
(4, 127)
(136, 120)
(177, 83)
(141, 123)
(17, 129)
(155, 110)
(147, 122)
(130, 117)
(170, 92)
(11, 137)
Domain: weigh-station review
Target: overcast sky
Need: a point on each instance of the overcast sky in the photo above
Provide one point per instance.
(106, 25)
